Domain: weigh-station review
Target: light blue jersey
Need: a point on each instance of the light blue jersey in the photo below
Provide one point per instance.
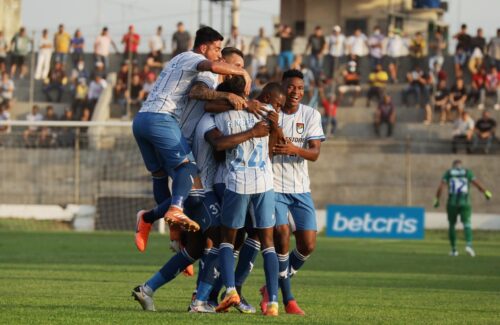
(248, 165)
(170, 92)
(191, 115)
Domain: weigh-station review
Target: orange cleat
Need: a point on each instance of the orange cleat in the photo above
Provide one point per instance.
(265, 299)
(142, 230)
(231, 299)
(293, 308)
(176, 217)
(271, 309)
(188, 271)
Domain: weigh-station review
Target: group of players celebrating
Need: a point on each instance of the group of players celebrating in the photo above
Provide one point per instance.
(239, 177)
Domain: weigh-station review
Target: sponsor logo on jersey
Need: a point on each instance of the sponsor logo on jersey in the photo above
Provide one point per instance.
(299, 127)
(375, 222)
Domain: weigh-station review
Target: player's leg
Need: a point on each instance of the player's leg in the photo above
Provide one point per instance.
(465, 217)
(210, 223)
(234, 209)
(305, 229)
(282, 242)
(162, 132)
(154, 164)
(452, 212)
(247, 255)
(186, 256)
(263, 205)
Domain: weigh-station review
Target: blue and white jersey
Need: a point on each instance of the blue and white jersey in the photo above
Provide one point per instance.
(291, 174)
(248, 165)
(203, 151)
(170, 92)
(195, 109)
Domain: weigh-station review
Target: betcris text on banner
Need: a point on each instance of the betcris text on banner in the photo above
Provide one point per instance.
(375, 222)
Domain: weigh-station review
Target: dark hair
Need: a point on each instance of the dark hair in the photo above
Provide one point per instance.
(234, 85)
(463, 26)
(293, 73)
(206, 35)
(272, 88)
(227, 51)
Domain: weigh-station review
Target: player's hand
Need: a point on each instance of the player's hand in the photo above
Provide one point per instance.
(256, 108)
(273, 119)
(286, 148)
(248, 82)
(260, 129)
(487, 195)
(236, 101)
(436, 203)
(175, 246)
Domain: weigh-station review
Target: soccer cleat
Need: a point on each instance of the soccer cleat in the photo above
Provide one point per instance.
(188, 271)
(143, 298)
(175, 217)
(198, 306)
(244, 307)
(271, 309)
(293, 308)
(142, 230)
(470, 251)
(454, 252)
(265, 299)
(231, 299)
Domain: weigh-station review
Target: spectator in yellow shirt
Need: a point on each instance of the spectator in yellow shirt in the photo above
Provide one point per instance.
(62, 42)
(378, 80)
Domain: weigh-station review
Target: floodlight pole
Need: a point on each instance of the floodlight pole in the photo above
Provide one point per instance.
(235, 13)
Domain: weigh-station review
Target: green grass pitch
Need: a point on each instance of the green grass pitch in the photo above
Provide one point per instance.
(86, 278)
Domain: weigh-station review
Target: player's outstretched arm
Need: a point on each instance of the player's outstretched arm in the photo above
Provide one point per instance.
(438, 193)
(226, 69)
(487, 194)
(288, 148)
(222, 142)
(201, 91)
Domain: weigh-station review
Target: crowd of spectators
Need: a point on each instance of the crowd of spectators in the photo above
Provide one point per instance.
(330, 62)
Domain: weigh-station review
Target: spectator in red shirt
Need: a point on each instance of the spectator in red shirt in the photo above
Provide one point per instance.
(329, 115)
(385, 114)
(131, 42)
(492, 86)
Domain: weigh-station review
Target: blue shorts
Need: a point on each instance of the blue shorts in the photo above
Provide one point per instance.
(235, 208)
(210, 216)
(301, 208)
(160, 141)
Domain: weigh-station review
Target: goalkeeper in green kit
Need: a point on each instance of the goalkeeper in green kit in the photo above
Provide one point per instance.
(458, 179)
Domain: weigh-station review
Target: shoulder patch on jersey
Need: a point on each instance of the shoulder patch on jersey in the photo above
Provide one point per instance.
(299, 127)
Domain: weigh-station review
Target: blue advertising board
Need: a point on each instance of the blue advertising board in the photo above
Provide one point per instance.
(388, 222)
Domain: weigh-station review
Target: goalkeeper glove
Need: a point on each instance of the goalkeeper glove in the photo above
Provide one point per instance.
(436, 202)
(487, 194)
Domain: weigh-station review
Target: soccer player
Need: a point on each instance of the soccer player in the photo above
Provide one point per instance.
(163, 148)
(273, 95)
(458, 179)
(301, 139)
(208, 137)
(158, 134)
(248, 183)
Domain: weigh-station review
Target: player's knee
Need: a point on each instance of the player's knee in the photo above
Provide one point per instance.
(306, 248)
(191, 167)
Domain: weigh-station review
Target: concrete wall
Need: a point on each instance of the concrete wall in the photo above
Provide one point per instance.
(364, 172)
(328, 13)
